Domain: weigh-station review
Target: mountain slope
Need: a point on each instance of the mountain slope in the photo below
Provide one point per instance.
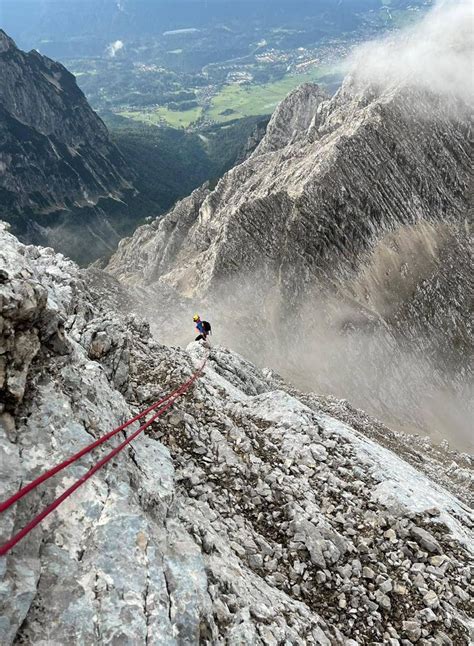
(247, 515)
(168, 163)
(373, 164)
(56, 157)
(348, 229)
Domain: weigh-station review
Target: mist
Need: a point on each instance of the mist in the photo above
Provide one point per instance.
(435, 54)
(334, 347)
(114, 47)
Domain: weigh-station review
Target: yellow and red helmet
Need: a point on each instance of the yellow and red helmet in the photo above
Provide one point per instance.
(196, 318)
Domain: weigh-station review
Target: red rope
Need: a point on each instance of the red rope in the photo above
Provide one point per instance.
(168, 401)
(87, 449)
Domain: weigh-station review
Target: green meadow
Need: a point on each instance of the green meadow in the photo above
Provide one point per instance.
(162, 115)
(237, 101)
(233, 101)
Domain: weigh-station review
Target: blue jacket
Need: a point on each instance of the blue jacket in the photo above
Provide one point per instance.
(200, 327)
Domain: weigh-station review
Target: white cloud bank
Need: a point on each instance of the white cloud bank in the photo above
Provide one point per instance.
(436, 53)
(115, 47)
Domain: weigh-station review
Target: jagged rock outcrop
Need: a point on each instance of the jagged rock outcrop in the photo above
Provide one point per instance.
(293, 118)
(347, 231)
(251, 514)
(155, 246)
(56, 157)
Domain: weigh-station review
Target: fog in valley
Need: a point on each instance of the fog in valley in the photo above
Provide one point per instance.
(334, 348)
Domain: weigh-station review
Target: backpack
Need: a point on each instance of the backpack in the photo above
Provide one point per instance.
(207, 327)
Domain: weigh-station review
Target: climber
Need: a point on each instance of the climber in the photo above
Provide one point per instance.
(203, 327)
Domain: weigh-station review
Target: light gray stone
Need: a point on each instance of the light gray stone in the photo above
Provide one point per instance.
(431, 599)
(412, 630)
(426, 540)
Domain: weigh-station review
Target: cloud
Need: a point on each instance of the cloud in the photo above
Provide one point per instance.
(114, 47)
(435, 54)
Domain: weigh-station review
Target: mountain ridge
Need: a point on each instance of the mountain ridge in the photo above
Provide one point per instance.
(335, 237)
(239, 184)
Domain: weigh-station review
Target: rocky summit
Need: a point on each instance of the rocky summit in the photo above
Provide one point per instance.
(249, 514)
(57, 163)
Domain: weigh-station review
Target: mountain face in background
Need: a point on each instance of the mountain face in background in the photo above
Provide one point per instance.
(57, 163)
(329, 180)
(64, 182)
(344, 234)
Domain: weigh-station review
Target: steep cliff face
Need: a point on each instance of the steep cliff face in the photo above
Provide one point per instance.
(251, 514)
(56, 157)
(345, 234)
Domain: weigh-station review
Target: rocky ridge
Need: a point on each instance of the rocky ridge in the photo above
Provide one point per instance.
(347, 231)
(328, 182)
(250, 514)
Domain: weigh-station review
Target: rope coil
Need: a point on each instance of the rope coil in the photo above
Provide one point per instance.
(162, 405)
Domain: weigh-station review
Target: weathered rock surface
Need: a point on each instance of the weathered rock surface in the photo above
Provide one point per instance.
(245, 516)
(297, 115)
(56, 157)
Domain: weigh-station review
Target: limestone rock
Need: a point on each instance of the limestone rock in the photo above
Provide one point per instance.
(426, 540)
